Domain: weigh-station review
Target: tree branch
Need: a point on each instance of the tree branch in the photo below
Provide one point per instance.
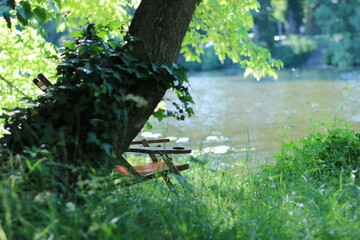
(11, 86)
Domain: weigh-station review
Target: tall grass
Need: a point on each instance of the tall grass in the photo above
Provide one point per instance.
(311, 193)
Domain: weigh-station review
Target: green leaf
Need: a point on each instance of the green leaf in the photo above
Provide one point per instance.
(58, 3)
(7, 19)
(190, 111)
(148, 126)
(85, 70)
(11, 3)
(92, 138)
(107, 147)
(4, 9)
(77, 33)
(70, 45)
(170, 71)
(103, 35)
(113, 25)
(27, 8)
(21, 16)
(40, 13)
(159, 114)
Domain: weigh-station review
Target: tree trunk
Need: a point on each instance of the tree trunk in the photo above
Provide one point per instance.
(161, 26)
(293, 16)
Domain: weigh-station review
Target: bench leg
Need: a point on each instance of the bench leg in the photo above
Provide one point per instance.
(174, 170)
(168, 182)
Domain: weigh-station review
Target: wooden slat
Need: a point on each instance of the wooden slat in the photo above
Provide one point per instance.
(160, 150)
(44, 80)
(40, 84)
(151, 141)
(151, 169)
(153, 157)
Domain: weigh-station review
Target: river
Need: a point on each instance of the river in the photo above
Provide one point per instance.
(240, 121)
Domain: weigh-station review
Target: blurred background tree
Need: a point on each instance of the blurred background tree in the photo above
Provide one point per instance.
(294, 29)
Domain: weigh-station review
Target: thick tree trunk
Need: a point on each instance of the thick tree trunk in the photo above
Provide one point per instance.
(161, 26)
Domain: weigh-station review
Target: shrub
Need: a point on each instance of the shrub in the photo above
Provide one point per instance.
(294, 50)
(331, 156)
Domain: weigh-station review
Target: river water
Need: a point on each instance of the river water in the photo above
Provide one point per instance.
(243, 121)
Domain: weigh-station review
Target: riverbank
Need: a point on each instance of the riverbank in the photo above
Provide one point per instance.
(286, 201)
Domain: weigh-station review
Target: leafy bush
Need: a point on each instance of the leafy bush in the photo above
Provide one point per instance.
(294, 50)
(340, 21)
(329, 157)
(343, 51)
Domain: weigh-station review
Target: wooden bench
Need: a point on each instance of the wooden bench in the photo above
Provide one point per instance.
(161, 164)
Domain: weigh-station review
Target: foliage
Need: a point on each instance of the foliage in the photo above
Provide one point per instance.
(324, 158)
(24, 11)
(230, 38)
(335, 20)
(24, 52)
(221, 204)
(43, 11)
(30, 57)
(279, 8)
(18, 63)
(294, 50)
(339, 20)
(100, 83)
(208, 61)
(342, 51)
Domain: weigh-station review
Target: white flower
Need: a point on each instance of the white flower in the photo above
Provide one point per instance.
(70, 207)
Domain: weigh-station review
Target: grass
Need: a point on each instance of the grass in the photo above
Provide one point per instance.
(311, 193)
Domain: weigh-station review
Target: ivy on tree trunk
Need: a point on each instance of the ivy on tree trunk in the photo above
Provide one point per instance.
(105, 93)
(161, 26)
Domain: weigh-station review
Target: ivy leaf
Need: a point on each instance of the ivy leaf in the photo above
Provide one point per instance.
(159, 114)
(85, 70)
(7, 19)
(155, 67)
(148, 126)
(92, 138)
(103, 35)
(21, 16)
(24, 13)
(170, 71)
(4, 9)
(40, 13)
(107, 147)
(11, 3)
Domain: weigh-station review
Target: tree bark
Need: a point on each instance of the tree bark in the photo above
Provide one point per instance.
(161, 26)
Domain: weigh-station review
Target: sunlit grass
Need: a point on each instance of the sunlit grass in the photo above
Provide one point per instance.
(290, 200)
